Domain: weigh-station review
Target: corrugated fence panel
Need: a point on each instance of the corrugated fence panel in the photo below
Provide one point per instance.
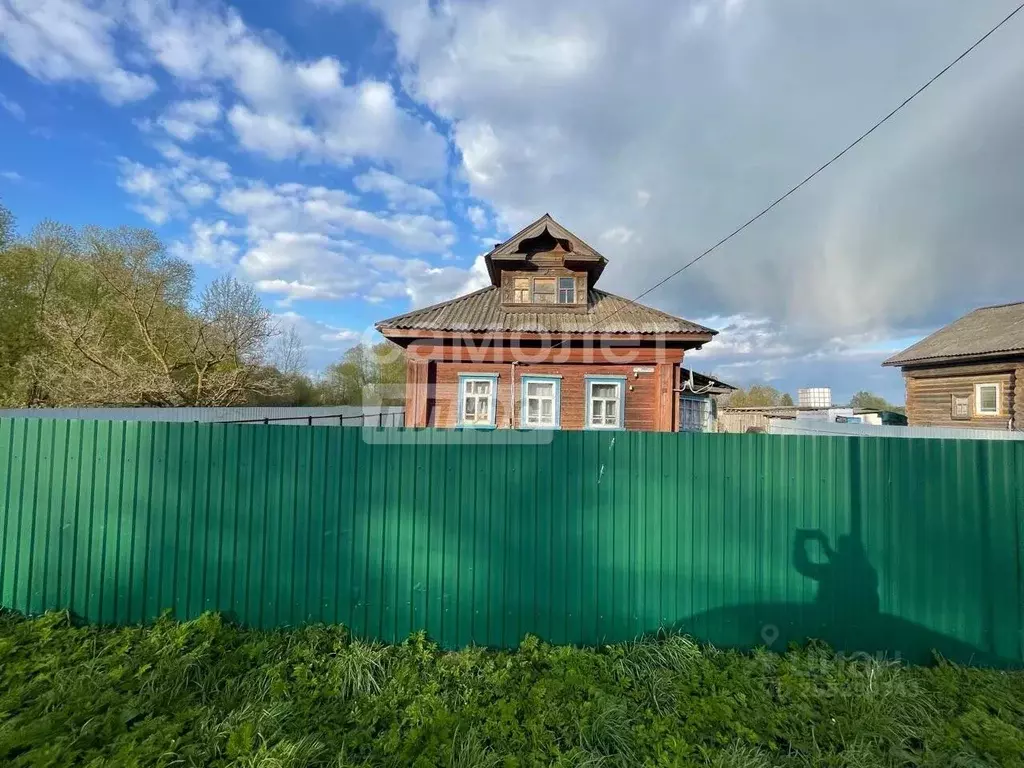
(882, 546)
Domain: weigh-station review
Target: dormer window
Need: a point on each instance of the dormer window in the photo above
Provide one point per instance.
(543, 290)
(521, 290)
(566, 290)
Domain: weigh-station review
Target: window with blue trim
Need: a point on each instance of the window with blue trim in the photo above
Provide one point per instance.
(541, 401)
(477, 396)
(605, 402)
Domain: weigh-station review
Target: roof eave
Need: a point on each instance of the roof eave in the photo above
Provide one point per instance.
(696, 338)
(896, 362)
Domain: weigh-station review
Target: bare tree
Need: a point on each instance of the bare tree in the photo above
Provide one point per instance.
(120, 329)
(289, 353)
(6, 227)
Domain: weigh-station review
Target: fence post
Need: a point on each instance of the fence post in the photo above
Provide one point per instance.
(309, 421)
(266, 420)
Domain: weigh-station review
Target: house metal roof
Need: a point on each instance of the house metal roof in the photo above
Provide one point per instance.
(986, 332)
(704, 384)
(483, 312)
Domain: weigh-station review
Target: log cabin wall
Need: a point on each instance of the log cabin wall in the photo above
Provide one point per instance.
(931, 391)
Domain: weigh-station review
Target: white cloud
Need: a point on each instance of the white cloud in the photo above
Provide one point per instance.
(477, 217)
(158, 201)
(210, 244)
(619, 236)
(169, 191)
(297, 207)
(277, 137)
(670, 124)
(65, 40)
(287, 107)
(302, 265)
(12, 107)
(422, 282)
(184, 120)
(196, 192)
(12, 176)
(185, 165)
(399, 193)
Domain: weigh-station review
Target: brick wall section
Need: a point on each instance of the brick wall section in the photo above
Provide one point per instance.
(641, 396)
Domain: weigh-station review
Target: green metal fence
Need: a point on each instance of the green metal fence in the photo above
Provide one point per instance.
(876, 545)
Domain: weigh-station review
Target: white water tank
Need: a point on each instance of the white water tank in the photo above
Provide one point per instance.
(815, 397)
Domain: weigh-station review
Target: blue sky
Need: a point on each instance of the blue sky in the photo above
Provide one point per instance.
(354, 159)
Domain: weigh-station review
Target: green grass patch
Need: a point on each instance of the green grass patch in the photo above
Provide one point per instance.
(205, 693)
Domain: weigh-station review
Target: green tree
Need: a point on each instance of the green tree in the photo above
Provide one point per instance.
(366, 374)
(345, 381)
(389, 372)
(757, 396)
(872, 402)
(787, 399)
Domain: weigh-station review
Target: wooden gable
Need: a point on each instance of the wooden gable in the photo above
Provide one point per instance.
(545, 244)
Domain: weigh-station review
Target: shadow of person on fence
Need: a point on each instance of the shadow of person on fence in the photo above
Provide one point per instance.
(845, 613)
(846, 604)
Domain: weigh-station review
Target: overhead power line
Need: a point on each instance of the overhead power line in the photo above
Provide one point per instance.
(824, 165)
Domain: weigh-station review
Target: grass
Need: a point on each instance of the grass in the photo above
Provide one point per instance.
(205, 693)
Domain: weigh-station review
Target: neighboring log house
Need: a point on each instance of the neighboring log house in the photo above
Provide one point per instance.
(968, 374)
(542, 347)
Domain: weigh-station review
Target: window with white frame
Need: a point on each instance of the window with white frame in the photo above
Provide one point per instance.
(604, 403)
(476, 401)
(567, 290)
(540, 402)
(694, 414)
(986, 399)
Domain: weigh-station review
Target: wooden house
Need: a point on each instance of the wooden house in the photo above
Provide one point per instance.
(968, 374)
(543, 347)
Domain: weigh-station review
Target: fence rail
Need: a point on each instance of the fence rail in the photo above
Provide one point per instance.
(894, 546)
(325, 416)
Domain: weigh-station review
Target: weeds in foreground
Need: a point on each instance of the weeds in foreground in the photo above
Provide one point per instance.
(204, 693)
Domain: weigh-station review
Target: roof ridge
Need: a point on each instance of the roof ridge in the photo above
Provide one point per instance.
(973, 335)
(998, 306)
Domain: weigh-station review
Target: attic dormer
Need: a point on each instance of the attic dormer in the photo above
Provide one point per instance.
(544, 266)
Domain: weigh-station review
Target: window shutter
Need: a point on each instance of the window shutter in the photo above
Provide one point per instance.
(960, 407)
(581, 289)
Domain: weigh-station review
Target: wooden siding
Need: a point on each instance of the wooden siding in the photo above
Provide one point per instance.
(930, 394)
(740, 421)
(1018, 397)
(645, 404)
